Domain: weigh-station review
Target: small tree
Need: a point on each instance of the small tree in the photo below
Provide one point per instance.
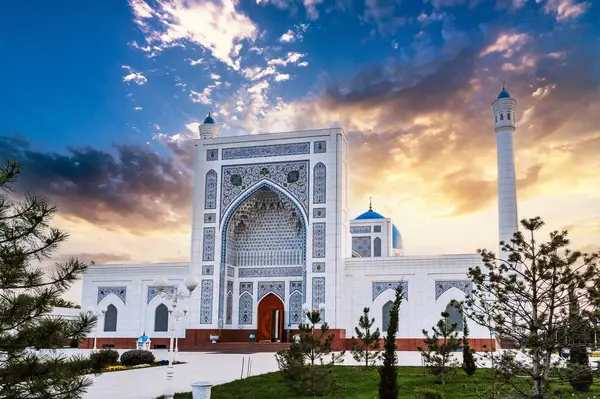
(440, 346)
(303, 365)
(468, 365)
(525, 298)
(26, 296)
(388, 373)
(367, 348)
(581, 377)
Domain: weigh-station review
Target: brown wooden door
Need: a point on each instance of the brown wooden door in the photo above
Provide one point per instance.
(265, 312)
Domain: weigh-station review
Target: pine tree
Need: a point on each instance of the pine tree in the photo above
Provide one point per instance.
(388, 372)
(440, 346)
(366, 349)
(468, 365)
(525, 298)
(580, 373)
(27, 293)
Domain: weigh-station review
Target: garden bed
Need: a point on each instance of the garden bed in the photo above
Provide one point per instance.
(360, 383)
(120, 367)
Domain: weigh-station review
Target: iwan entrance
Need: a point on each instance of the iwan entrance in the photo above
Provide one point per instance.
(270, 319)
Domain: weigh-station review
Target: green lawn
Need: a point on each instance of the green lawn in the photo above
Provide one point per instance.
(360, 383)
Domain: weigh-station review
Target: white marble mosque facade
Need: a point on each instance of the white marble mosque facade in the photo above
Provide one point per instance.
(271, 216)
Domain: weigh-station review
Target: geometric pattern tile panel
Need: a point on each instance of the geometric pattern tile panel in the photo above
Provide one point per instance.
(378, 287)
(210, 217)
(360, 229)
(319, 184)
(319, 213)
(295, 286)
(103, 292)
(210, 190)
(260, 151)
(245, 309)
(229, 304)
(442, 286)
(212, 155)
(230, 271)
(208, 244)
(290, 176)
(269, 271)
(246, 287)
(362, 246)
(275, 287)
(320, 147)
(208, 270)
(318, 267)
(295, 308)
(319, 240)
(206, 302)
(318, 294)
(153, 291)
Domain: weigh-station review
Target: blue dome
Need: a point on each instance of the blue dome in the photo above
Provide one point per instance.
(369, 215)
(209, 119)
(143, 338)
(503, 94)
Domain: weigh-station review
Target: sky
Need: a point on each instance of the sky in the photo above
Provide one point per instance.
(101, 100)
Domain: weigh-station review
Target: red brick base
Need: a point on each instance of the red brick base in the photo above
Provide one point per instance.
(196, 339)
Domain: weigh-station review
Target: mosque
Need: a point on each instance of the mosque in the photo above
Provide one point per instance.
(272, 236)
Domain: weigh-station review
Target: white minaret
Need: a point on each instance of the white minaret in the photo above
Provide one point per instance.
(504, 114)
(209, 129)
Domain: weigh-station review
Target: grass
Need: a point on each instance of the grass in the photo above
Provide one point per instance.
(361, 383)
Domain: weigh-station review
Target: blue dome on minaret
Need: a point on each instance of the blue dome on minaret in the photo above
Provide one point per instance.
(209, 119)
(503, 94)
(371, 214)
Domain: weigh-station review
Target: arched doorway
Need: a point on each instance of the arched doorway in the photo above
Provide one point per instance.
(270, 319)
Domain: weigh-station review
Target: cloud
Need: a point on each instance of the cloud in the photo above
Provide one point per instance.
(507, 43)
(130, 188)
(292, 57)
(311, 9)
(98, 258)
(202, 97)
(256, 73)
(281, 77)
(385, 15)
(566, 9)
(133, 76)
(215, 25)
(196, 62)
(295, 34)
(137, 109)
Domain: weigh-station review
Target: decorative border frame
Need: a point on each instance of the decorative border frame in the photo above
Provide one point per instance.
(319, 213)
(379, 287)
(264, 151)
(119, 292)
(441, 286)
(249, 272)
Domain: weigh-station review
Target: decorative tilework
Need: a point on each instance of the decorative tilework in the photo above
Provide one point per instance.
(208, 244)
(320, 147)
(269, 271)
(318, 294)
(318, 267)
(291, 177)
(229, 305)
(379, 287)
(377, 229)
(362, 246)
(212, 155)
(246, 287)
(275, 287)
(153, 291)
(295, 286)
(206, 302)
(442, 286)
(319, 240)
(360, 229)
(230, 271)
(319, 184)
(208, 270)
(245, 309)
(210, 190)
(121, 292)
(210, 217)
(259, 151)
(319, 213)
(295, 308)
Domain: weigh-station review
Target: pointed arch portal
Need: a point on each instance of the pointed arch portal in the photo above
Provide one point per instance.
(270, 319)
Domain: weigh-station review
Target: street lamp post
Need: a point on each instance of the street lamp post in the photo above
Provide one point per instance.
(99, 313)
(190, 282)
(177, 315)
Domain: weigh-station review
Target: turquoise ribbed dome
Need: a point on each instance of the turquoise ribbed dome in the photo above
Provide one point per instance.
(503, 94)
(209, 119)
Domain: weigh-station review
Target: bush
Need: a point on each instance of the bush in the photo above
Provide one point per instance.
(426, 393)
(103, 358)
(581, 375)
(135, 357)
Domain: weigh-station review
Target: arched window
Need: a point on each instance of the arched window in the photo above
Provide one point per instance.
(454, 317)
(161, 318)
(385, 315)
(377, 247)
(110, 318)
(501, 117)
(508, 115)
